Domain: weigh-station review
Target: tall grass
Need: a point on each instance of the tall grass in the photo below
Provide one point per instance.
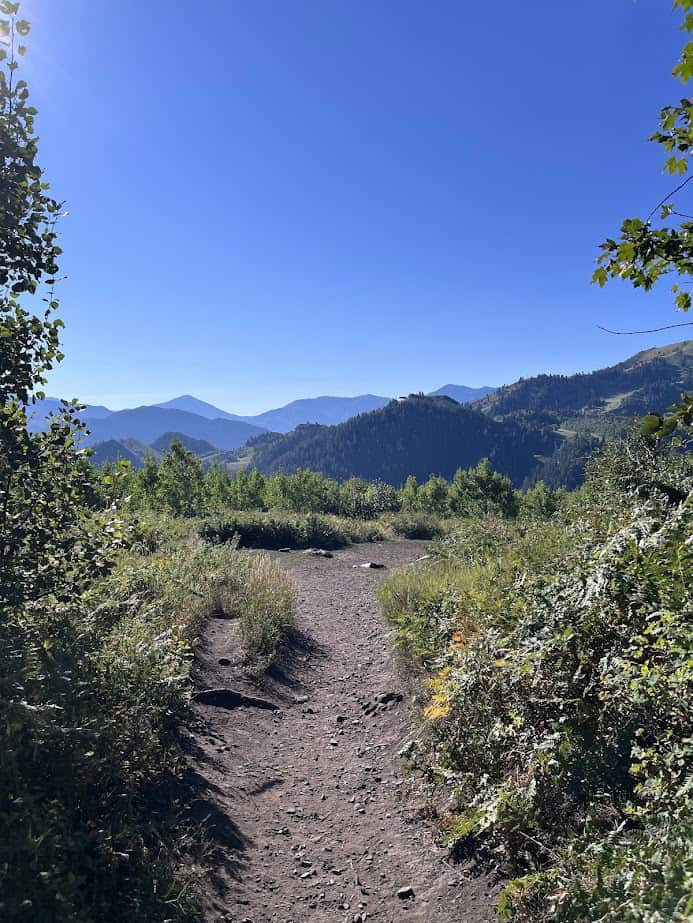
(266, 610)
(466, 583)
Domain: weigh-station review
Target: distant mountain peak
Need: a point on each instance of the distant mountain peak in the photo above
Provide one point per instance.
(463, 394)
(190, 404)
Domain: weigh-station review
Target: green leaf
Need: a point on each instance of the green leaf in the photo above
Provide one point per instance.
(650, 424)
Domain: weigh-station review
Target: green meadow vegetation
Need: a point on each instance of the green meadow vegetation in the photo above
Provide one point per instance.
(306, 509)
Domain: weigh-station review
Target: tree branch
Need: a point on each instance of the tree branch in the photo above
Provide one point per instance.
(623, 333)
(667, 197)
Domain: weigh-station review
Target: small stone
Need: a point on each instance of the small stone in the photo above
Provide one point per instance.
(386, 697)
(405, 894)
(318, 552)
(224, 662)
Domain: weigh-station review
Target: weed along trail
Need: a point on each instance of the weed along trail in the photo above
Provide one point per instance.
(311, 815)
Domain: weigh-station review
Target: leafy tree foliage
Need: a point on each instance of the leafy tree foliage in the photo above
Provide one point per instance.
(82, 720)
(179, 481)
(661, 244)
(178, 486)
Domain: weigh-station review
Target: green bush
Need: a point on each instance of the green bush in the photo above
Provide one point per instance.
(90, 704)
(272, 531)
(414, 524)
(560, 680)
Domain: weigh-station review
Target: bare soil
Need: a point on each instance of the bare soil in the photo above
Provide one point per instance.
(311, 814)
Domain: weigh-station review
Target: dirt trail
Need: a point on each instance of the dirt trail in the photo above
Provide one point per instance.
(312, 816)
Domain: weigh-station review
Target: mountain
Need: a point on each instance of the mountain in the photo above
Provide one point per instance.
(462, 394)
(589, 407)
(324, 410)
(113, 450)
(191, 404)
(148, 423)
(196, 446)
(651, 380)
(38, 412)
(417, 435)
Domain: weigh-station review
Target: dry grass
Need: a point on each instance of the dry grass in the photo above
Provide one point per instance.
(266, 610)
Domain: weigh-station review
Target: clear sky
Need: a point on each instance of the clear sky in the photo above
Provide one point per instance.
(273, 199)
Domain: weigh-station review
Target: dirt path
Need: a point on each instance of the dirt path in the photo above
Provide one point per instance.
(313, 818)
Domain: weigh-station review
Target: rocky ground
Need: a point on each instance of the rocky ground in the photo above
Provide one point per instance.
(312, 817)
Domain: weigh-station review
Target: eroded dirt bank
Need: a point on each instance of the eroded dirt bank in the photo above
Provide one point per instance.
(313, 818)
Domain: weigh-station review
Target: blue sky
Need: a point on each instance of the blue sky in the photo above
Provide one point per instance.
(273, 199)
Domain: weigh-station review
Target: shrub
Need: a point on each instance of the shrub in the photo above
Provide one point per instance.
(272, 531)
(560, 677)
(88, 747)
(443, 601)
(414, 525)
(424, 603)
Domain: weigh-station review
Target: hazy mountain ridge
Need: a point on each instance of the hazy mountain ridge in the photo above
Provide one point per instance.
(39, 411)
(196, 446)
(134, 451)
(462, 394)
(579, 407)
(190, 404)
(148, 423)
(326, 410)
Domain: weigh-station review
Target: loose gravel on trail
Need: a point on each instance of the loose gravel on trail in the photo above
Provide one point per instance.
(311, 815)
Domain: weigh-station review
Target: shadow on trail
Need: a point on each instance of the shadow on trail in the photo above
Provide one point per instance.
(293, 663)
(226, 845)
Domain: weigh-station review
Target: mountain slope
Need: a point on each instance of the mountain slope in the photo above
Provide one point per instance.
(38, 412)
(148, 423)
(650, 380)
(325, 410)
(462, 394)
(113, 450)
(190, 404)
(418, 435)
(196, 446)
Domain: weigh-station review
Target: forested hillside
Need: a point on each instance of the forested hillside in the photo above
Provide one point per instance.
(417, 436)
(652, 379)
